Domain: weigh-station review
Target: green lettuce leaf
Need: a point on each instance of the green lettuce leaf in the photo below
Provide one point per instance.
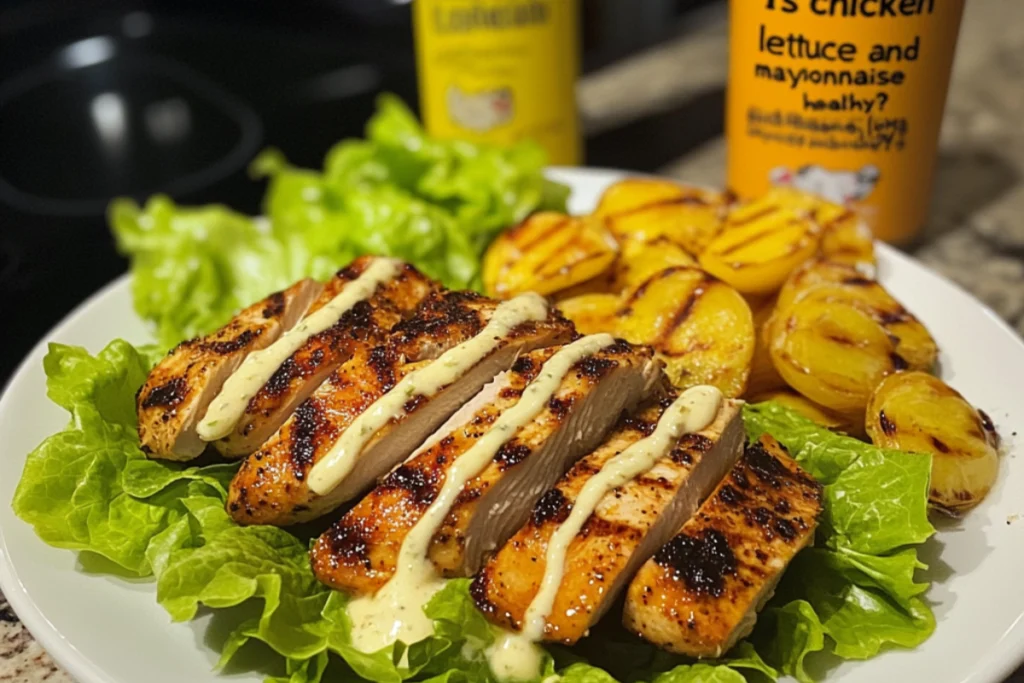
(72, 489)
(857, 587)
(437, 204)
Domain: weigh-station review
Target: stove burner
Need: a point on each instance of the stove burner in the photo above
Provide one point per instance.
(96, 122)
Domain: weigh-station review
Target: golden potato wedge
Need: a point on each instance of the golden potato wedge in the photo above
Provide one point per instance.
(763, 375)
(762, 243)
(919, 413)
(647, 209)
(700, 326)
(548, 252)
(591, 313)
(828, 346)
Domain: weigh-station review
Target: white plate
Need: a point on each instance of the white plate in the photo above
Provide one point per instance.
(103, 629)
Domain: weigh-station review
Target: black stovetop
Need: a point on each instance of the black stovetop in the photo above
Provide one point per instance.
(130, 97)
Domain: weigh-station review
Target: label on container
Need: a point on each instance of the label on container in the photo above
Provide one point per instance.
(500, 71)
(842, 98)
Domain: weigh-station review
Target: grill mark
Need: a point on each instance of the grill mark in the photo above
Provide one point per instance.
(754, 217)
(701, 562)
(765, 467)
(440, 312)
(887, 425)
(757, 237)
(511, 454)
(416, 482)
(554, 228)
(479, 589)
(940, 445)
(524, 365)
(645, 427)
(348, 543)
(731, 496)
(594, 367)
(274, 307)
(167, 395)
(280, 380)
(309, 419)
(646, 284)
(382, 361)
(230, 346)
(560, 407)
(553, 506)
(682, 313)
(987, 424)
(684, 200)
(893, 317)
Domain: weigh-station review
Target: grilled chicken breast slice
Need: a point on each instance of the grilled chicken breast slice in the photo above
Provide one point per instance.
(701, 592)
(365, 324)
(180, 388)
(627, 526)
(358, 554)
(271, 488)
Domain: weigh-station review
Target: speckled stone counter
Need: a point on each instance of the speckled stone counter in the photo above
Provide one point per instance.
(975, 235)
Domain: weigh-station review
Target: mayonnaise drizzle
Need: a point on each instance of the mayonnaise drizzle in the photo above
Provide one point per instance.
(516, 656)
(396, 611)
(259, 366)
(330, 470)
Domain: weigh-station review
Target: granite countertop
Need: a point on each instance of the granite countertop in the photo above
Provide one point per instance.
(975, 235)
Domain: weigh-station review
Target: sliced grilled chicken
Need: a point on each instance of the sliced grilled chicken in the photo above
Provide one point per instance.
(358, 554)
(272, 488)
(628, 524)
(179, 389)
(701, 592)
(365, 324)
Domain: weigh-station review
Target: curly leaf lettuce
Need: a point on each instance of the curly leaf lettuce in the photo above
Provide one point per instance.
(399, 192)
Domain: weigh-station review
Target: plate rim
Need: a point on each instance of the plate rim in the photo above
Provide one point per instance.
(996, 667)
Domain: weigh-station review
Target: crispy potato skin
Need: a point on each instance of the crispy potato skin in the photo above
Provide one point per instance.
(919, 413)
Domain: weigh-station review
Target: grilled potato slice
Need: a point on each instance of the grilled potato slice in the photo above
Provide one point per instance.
(762, 243)
(640, 259)
(914, 344)
(844, 236)
(591, 313)
(829, 347)
(820, 271)
(548, 252)
(812, 411)
(919, 413)
(701, 327)
(647, 209)
(763, 375)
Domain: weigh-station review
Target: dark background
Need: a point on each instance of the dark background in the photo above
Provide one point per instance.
(106, 98)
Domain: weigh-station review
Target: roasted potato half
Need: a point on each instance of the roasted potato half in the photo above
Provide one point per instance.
(701, 327)
(646, 209)
(919, 413)
(639, 260)
(762, 243)
(829, 346)
(844, 236)
(591, 313)
(546, 253)
(823, 271)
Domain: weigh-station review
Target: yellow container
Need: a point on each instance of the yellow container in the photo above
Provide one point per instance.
(500, 71)
(843, 98)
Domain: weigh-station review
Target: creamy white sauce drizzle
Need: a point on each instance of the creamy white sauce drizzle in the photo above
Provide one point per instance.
(330, 470)
(395, 612)
(259, 366)
(516, 656)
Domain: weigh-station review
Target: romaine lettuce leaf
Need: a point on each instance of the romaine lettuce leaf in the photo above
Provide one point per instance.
(437, 204)
(857, 586)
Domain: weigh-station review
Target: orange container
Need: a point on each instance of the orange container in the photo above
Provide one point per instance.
(842, 98)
